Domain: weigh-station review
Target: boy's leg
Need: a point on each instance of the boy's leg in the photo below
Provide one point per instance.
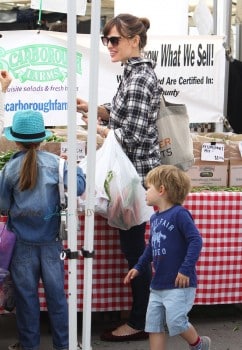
(196, 342)
(157, 341)
(190, 335)
(206, 343)
(155, 321)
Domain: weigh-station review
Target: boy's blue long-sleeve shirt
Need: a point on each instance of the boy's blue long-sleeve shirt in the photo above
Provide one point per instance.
(174, 246)
(34, 215)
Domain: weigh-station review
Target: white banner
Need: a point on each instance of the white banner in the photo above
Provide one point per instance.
(166, 17)
(58, 6)
(190, 69)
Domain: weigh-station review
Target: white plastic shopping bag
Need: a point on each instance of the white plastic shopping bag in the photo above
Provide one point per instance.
(118, 182)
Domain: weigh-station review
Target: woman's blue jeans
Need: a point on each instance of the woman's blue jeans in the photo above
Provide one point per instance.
(132, 244)
(30, 262)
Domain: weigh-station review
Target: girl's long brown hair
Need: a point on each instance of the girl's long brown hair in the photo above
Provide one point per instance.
(29, 168)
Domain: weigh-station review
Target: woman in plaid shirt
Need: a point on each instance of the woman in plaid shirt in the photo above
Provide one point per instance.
(132, 115)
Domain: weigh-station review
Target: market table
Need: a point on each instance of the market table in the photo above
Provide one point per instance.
(218, 216)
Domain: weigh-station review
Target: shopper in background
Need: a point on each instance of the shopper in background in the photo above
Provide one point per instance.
(59, 26)
(174, 247)
(5, 81)
(29, 192)
(132, 115)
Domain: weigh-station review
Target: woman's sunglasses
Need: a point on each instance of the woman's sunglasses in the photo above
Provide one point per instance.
(114, 40)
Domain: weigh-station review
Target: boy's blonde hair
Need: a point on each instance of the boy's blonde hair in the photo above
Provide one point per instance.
(175, 181)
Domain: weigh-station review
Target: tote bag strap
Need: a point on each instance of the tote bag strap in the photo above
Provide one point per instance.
(162, 101)
(61, 183)
(177, 108)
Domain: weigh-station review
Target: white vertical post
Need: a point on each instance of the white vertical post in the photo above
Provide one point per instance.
(91, 165)
(72, 188)
(224, 11)
(215, 16)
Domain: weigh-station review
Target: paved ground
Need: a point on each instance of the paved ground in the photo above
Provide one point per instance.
(222, 323)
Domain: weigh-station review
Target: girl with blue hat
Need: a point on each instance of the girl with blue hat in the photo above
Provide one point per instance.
(29, 192)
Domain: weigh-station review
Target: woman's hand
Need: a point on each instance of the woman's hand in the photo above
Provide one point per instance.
(101, 130)
(82, 107)
(102, 114)
(85, 117)
(5, 79)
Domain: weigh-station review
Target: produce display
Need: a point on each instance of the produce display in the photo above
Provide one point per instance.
(5, 156)
(232, 140)
(216, 189)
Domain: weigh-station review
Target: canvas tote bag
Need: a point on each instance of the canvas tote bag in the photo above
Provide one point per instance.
(176, 146)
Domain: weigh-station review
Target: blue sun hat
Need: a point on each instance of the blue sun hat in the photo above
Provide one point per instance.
(27, 126)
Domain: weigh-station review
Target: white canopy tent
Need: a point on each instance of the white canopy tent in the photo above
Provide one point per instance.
(91, 156)
(223, 9)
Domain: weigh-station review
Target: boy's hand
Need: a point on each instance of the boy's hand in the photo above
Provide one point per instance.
(182, 281)
(130, 275)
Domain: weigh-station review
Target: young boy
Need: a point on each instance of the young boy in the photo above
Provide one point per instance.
(174, 247)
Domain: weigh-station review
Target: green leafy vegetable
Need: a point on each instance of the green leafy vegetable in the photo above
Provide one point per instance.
(55, 138)
(107, 181)
(4, 157)
(217, 189)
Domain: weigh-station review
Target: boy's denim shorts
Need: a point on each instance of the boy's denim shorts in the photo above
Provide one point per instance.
(168, 309)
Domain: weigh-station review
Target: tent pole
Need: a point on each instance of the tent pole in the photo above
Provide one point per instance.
(224, 12)
(91, 165)
(215, 16)
(72, 188)
(227, 13)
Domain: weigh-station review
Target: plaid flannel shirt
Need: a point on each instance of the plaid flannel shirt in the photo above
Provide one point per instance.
(133, 114)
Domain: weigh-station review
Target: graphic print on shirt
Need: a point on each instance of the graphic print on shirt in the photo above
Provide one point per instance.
(159, 235)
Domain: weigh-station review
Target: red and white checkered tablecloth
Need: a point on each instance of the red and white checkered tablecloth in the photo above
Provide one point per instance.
(109, 268)
(218, 216)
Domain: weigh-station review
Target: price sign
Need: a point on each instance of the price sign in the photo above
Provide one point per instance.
(80, 149)
(212, 151)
